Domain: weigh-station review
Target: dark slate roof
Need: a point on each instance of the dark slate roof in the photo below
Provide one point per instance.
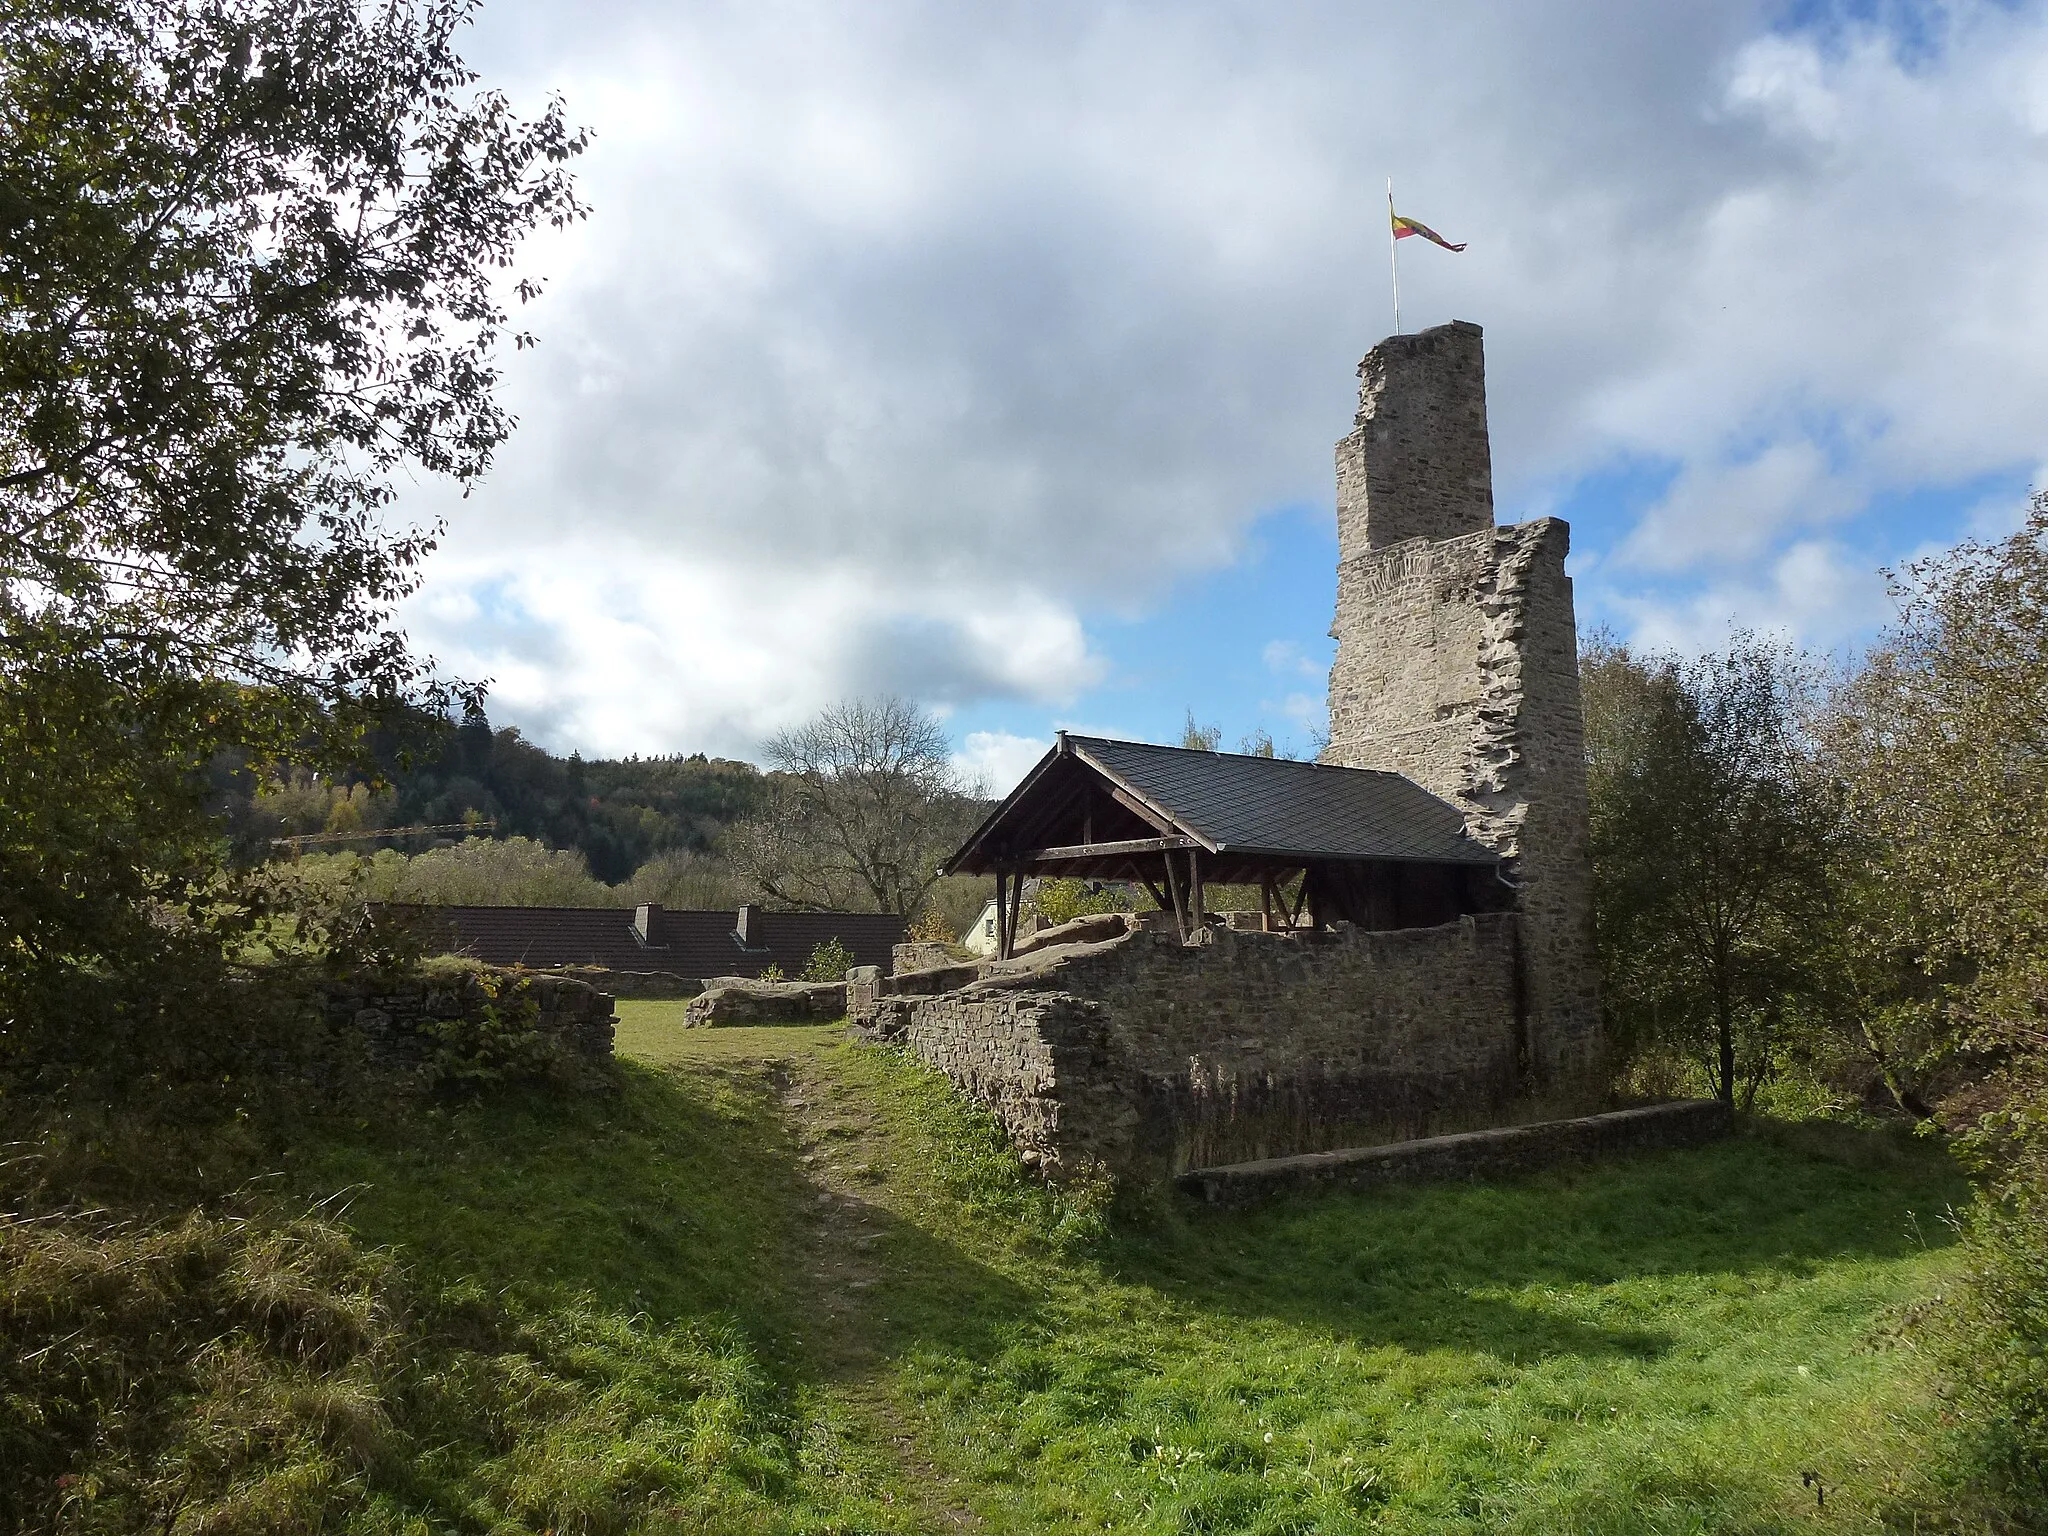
(1260, 806)
(1246, 804)
(686, 943)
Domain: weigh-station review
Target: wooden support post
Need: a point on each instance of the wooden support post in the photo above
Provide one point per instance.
(1196, 915)
(1016, 910)
(1265, 903)
(1180, 907)
(1002, 916)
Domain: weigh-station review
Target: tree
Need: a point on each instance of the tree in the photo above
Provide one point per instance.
(864, 804)
(1703, 847)
(249, 255)
(1947, 741)
(250, 265)
(1943, 742)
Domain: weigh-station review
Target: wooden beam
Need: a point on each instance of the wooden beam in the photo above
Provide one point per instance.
(1199, 917)
(1002, 917)
(1070, 851)
(1180, 909)
(1265, 904)
(1134, 805)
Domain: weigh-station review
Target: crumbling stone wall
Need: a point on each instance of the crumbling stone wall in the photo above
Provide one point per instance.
(649, 984)
(1418, 463)
(740, 1000)
(394, 1016)
(1457, 665)
(1152, 1057)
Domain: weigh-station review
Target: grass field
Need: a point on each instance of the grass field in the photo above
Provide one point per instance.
(924, 1339)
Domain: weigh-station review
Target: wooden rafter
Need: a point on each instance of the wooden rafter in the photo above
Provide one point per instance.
(1106, 850)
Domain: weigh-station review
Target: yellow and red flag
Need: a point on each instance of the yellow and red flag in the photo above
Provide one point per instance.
(1405, 226)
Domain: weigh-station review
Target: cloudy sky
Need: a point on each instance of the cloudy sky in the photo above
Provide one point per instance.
(993, 354)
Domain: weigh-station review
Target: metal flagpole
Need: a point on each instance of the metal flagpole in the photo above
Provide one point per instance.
(1394, 255)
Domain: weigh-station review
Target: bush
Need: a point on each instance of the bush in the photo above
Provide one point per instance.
(480, 872)
(1992, 1330)
(830, 961)
(1061, 901)
(496, 1039)
(931, 927)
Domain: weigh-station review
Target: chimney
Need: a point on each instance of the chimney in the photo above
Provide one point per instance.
(748, 928)
(643, 922)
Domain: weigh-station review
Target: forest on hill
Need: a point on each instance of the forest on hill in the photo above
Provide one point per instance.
(618, 813)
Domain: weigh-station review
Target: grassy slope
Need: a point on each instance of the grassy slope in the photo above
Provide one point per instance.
(1664, 1345)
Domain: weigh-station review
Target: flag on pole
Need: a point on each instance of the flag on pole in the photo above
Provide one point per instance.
(1405, 226)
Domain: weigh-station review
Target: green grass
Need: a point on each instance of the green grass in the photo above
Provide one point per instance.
(1661, 1345)
(783, 1283)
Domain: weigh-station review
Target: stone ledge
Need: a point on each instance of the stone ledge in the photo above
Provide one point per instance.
(1502, 1151)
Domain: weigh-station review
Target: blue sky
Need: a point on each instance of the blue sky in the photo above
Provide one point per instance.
(995, 355)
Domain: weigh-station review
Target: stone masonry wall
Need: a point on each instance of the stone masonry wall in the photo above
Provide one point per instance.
(393, 1016)
(1152, 1057)
(1457, 665)
(1418, 464)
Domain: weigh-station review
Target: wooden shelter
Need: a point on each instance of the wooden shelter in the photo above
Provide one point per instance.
(1368, 847)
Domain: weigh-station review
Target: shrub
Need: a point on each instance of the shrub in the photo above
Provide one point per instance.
(1061, 901)
(830, 961)
(496, 1038)
(931, 927)
(1992, 1330)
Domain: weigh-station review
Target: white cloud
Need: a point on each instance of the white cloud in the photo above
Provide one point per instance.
(997, 761)
(1811, 591)
(1731, 513)
(1286, 659)
(907, 336)
(614, 654)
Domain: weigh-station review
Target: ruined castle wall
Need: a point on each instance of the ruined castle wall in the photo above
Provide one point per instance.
(1457, 665)
(1418, 464)
(1153, 1057)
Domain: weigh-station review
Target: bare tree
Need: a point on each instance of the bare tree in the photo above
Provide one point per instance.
(864, 804)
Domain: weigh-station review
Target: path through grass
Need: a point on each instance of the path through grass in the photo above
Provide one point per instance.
(1669, 1344)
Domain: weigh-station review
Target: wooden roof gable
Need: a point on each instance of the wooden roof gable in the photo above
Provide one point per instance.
(1091, 800)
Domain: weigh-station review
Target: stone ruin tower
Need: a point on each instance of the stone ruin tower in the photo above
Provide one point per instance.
(1457, 665)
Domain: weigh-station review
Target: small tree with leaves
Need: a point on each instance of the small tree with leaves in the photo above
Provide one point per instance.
(251, 258)
(830, 961)
(1704, 844)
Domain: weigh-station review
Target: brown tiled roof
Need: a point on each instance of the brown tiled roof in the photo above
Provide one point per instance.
(686, 943)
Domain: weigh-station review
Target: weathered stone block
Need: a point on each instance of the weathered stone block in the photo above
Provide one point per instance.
(769, 1002)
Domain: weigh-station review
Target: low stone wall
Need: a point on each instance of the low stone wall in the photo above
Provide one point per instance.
(768, 1002)
(1497, 1153)
(1152, 1057)
(918, 955)
(651, 984)
(394, 1017)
